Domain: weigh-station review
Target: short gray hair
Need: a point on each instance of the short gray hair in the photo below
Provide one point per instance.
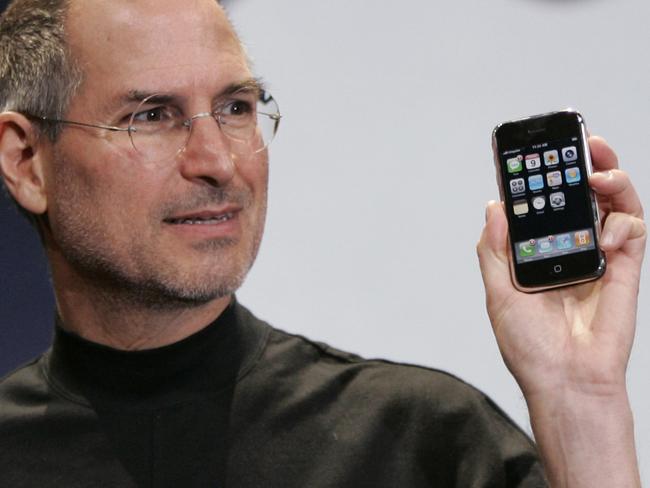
(38, 74)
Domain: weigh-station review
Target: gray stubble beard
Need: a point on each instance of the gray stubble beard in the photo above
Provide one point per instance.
(100, 267)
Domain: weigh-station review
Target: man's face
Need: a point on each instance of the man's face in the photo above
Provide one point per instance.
(180, 230)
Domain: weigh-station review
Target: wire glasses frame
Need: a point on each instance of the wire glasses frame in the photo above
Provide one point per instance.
(249, 120)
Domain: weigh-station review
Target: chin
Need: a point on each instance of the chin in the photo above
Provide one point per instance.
(166, 294)
(209, 281)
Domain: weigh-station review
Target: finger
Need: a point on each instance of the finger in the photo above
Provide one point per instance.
(623, 239)
(603, 156)
(617, 187)
(492, 250)
(621, 228)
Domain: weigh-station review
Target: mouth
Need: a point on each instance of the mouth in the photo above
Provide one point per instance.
(202, 218)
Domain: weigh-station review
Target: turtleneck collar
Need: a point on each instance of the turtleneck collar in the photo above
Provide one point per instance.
(206, 362)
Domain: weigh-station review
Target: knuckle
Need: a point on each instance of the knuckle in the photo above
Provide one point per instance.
(621, 174)
(621, 180)
(479, 248)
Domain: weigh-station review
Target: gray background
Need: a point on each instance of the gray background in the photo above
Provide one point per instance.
(382, 169)
(383, 165)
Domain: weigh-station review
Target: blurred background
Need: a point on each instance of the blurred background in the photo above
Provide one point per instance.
(382, 168)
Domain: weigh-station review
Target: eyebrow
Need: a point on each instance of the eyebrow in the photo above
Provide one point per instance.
(248, 85)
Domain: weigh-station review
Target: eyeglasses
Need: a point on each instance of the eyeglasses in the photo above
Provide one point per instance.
(158, 129)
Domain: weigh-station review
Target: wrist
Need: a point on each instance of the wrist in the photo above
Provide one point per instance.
(585, 439)
(569, 410)
(567, 393)
(567, 382)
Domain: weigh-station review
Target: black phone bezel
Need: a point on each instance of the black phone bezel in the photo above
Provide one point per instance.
(559, 270)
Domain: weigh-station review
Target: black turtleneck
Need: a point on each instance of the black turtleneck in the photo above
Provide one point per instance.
(166, 410)
(241, 404)
(211, 360)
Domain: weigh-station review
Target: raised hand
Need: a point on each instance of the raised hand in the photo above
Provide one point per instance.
(572, 344)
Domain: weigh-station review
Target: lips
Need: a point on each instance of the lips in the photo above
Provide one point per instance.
(204, 217)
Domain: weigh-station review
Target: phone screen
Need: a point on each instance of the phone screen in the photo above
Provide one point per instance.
(544, 168)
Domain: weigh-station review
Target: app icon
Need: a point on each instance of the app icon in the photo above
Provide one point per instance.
(520, 207)
(527, 249)
(582, 238)
(514, 164)
(539, 202)
(554, 178)
(572, 175)
(536, 182)
(569, 154)
(551, 158)
(533, 161)
(563, 241)
(517, 186)
(557, 199)
(544, 245)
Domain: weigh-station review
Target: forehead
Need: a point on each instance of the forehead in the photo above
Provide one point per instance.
(155, 45)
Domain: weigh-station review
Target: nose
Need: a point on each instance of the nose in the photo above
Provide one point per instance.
(207, 154)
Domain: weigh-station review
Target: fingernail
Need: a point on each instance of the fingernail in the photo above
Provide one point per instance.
(608, 239)
(487, 209)
(602, 174)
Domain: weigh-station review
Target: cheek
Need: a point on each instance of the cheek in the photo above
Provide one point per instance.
(72, 193)
(255, 174)
(257, 180)
(100, 191)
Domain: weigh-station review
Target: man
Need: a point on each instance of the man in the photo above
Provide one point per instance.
(129, 137)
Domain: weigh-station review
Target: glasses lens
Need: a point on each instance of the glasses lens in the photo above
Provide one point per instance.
(250, 121)
(159, 131)
(268, 119)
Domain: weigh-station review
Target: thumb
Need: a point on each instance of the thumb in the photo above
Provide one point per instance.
(492, 250)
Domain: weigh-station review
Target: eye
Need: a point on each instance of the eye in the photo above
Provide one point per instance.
(152, 115)
(237, 108)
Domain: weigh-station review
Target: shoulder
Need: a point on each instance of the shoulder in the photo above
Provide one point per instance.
(379, 373)
(417, 391)
(373, 405)
(27, 393)
(24, 396)
(26, 379)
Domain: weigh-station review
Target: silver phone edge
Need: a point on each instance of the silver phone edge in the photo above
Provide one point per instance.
(600, 271)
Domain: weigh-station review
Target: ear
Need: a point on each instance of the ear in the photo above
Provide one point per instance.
(21, 162)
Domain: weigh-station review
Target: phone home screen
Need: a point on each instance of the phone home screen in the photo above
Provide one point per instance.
(548, 200)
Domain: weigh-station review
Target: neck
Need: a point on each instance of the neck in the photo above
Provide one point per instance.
(105, 317)
(102, 322)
